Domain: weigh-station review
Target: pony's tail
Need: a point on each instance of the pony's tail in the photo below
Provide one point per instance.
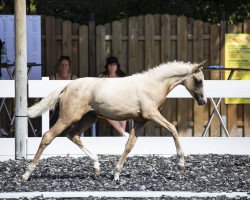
(48, 103)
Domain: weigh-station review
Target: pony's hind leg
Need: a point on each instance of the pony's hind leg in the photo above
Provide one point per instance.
(128, 147)
(74, 136)
(159, 119)
(47, 138)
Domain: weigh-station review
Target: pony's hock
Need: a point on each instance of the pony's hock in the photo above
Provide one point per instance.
(84, 100)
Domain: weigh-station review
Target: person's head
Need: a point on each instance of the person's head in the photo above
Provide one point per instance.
(64, 64)
(112, 66)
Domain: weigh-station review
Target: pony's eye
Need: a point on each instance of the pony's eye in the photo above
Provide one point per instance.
(198, 82)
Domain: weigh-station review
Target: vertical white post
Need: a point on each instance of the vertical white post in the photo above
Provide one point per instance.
(21, 120)
(45, 116)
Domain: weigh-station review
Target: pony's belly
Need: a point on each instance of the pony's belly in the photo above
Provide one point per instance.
(117, 114)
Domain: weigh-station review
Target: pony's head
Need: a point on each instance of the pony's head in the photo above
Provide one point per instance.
(194, 84)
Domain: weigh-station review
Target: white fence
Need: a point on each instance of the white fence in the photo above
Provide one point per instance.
(115, 145)
(213, 89)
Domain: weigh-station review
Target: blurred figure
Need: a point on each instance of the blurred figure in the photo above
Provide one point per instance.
(112, 70)
(64, 70)
(63, 73)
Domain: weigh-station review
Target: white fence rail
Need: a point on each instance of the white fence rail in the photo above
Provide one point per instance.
(212, 88)
(62, 146)
(115, 145)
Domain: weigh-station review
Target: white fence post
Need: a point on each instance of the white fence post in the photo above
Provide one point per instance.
(21, 120)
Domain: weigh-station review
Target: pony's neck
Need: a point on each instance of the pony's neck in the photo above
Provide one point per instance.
(173, 82)
(170, 70)
(169, 75)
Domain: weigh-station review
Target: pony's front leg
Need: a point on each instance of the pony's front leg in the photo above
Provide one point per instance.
(159, 119)
(128, 147)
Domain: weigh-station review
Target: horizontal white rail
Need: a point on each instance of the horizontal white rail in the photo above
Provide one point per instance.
(123, 194)
(212, 88)
(217, 89)
(7, 88)
(62, 146)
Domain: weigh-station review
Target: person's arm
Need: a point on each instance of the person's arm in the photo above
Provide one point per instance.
(74, 77)
(101, 75)
(52, 77)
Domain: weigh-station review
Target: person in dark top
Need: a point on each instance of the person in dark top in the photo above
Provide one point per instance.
(112, 70)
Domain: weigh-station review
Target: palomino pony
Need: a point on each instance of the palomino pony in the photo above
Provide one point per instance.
(138, 97)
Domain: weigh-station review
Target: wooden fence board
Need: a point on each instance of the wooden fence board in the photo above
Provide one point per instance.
(190, 58)
(149, 57)
(50, 44)
(100, 49)
(190, 42)
(124, 56)
(59, 32)
(117, 39)
(67, 38)
(206, 56)
(92, 48)
(165, 38)
(75, 49)
(165, 57)
(198, 57)
(108, 46)
(173, 103)
(133, 49)
(149, 41)
(83, 51)
(141, 44)
(214, 75)
(157, 57)
(182, 116)
(157, 43)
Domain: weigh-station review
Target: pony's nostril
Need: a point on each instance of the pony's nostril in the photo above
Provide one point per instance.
(202, 101)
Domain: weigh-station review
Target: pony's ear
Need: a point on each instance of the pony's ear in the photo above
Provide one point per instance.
(197, 67)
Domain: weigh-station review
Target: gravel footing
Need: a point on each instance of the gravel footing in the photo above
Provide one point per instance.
(161, 198)
(203, 173)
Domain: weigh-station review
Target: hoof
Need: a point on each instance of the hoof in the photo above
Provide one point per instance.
(116, 178)
(24, 178)
(181, 169)
(97, 171)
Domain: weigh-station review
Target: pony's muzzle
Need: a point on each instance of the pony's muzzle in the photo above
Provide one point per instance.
(202, 101)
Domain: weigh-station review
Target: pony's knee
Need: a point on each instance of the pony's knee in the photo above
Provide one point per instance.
(173, 129)
(47, 139)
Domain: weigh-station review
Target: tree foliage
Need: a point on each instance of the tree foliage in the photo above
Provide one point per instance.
(108, 10)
